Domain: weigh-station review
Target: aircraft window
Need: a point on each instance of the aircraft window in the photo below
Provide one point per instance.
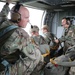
(35, 16)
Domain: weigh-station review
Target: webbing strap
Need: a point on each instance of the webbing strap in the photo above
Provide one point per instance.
(7, 29)
(5, 62)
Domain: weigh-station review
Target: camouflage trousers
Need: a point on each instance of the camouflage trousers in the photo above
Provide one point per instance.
(72, 71)
(23, 66)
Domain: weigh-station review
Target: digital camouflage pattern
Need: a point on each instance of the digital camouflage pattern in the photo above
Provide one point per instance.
(69, 56)
(72, 70)
(50, 37)
(38, 40)
(68, 37)
(47, 37)
(42, 45)
(19, 39)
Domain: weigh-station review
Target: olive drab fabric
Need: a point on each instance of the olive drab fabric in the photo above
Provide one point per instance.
(50, 37)
(19, 39)
(68, 56)
(72, 70)
(68, 37)
(42, 45)
(47, 36)
(5, 33)
(38, 40)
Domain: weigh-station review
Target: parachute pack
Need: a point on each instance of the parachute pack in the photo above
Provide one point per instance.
(5, 33)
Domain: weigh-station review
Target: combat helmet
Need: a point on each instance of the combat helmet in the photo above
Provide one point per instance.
(34, 29)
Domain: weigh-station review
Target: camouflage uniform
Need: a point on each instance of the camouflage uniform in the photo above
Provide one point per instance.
(4, 13)
(19, 39)
(69, 56)
(42, 45)
(38, 40)
(68, 37)
(50, 37)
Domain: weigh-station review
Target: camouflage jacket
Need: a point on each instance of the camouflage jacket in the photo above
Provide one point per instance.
(19, 39)
(38, 40)
(40, 43)
(69, 37)
(49, 37)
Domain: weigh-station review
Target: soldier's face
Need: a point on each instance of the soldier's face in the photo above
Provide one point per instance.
(24, 17)
(34, 33)
(64, 24)
(45, 30)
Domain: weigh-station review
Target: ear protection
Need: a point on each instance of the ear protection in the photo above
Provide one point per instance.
(67, 21)
(15, 15)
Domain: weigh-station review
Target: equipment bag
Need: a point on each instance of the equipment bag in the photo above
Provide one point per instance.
(5, 33)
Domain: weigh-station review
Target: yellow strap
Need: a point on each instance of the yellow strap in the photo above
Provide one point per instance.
(52, 61)
(44, 55)
(70, 59)
(47, 53)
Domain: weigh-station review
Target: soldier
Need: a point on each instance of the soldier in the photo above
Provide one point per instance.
(40, 43)
(64, 61)
(50, 37)
(46, 33)
(38, 39)
(17, 54)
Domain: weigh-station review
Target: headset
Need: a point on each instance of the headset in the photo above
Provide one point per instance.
(68, 21)
(15, 15)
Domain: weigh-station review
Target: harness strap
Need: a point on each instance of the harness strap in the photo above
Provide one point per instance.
(5, 62)
(3, 32)
(7, 30)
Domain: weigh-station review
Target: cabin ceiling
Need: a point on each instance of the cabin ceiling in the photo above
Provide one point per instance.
(55, 5)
